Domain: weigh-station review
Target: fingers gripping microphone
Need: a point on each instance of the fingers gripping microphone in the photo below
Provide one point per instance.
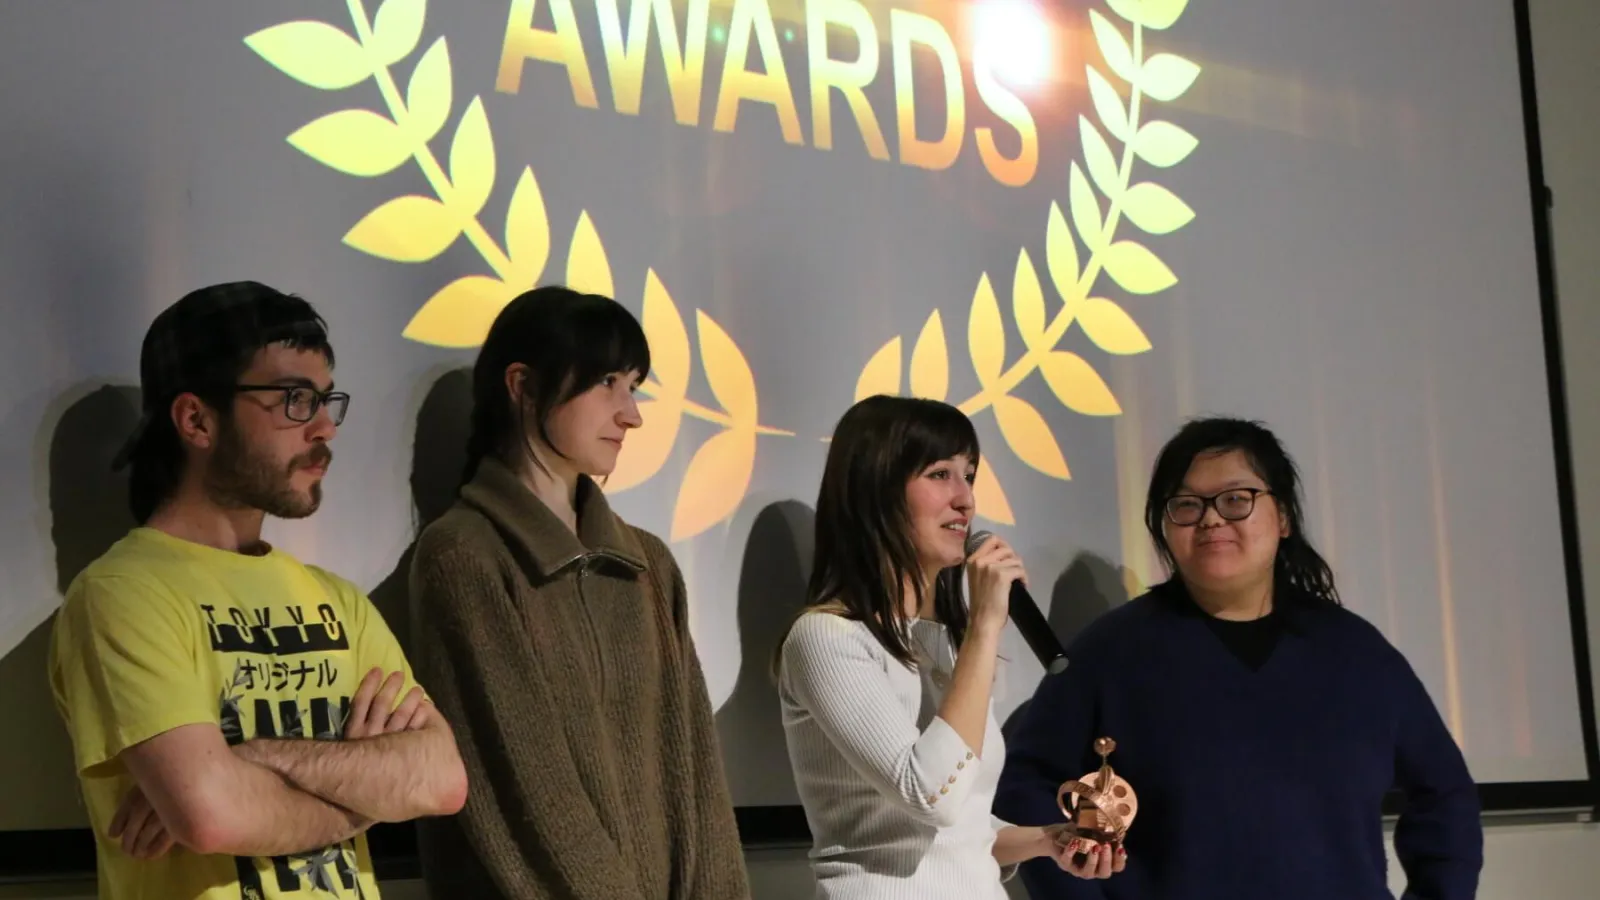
(1026, 616)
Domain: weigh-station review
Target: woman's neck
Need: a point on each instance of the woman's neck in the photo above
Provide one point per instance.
(1237, 604)
(555, 487)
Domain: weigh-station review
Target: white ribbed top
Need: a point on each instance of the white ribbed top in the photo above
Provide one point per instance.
(898, 804)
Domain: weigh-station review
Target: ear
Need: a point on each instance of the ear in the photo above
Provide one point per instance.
(516, 379)
(198, 425)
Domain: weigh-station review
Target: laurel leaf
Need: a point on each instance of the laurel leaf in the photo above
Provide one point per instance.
(406, 229)
(588, 270)
(1108, 104)
(732, 382)
(1163, 144)
(430, 93)
(313, 53)
(1127, 9)
(646, 448)
(396, 29)
(1155, 209)
(668, 338)
(1027, 298)
(1165, 76)
(353, 141)
(460, 314)
(1030, 438)
(1099, 160)
(990, 501)
(1153, 14)
(1136, 269)
(1061, 254)
(715, 482)
(1085, 210)
(881, 375)
(1110, 327)
(527, 231)
(1158, 15)
(930, 361)
(1077, 385)
(986, 333)
(472, 161)
(1113, 46)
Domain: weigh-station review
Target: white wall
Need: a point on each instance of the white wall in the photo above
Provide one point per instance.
(1545, 862)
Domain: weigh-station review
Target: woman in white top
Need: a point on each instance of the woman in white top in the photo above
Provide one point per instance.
(886, 677)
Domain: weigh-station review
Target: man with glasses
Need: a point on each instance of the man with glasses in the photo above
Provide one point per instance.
(238, 718)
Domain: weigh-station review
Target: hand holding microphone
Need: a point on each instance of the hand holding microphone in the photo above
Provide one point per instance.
(999, 587)
(992, 567)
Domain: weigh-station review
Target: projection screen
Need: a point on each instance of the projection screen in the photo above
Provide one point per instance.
(1082, 222)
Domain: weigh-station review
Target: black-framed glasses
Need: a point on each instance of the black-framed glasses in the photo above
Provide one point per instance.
(1232, 504)
(301, 402)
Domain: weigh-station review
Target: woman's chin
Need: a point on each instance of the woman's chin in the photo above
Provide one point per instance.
(1221, 576)
(599, 466)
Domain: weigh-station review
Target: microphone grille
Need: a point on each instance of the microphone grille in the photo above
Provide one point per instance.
(975, 540)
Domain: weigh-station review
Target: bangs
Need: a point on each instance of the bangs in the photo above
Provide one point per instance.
(1201, 437)
(938, 432)
(606, 338)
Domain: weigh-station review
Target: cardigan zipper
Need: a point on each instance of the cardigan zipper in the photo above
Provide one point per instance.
(594, 632)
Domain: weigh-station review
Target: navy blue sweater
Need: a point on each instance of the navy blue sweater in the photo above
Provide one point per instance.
(1252, 785)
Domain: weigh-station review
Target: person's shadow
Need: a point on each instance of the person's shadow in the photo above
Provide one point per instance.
(438, 454)
(88, 513)
(772, 589)
(1089, 588)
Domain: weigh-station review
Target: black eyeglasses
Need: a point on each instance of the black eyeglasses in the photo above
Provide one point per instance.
(1232, 504)
(300, 403)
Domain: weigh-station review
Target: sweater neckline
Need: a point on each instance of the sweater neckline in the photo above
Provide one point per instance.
(519, 514)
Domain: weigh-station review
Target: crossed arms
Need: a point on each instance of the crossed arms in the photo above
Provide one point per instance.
(273, 797)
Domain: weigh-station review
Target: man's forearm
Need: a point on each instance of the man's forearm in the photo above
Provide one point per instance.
(264, 815)
(392, 777)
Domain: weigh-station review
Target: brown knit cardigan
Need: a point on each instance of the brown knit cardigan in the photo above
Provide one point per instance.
(564, 664)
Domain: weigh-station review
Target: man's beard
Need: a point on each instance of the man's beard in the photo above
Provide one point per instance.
(240, 477)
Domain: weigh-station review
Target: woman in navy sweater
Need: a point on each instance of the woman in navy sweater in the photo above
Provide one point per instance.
(1259, 722)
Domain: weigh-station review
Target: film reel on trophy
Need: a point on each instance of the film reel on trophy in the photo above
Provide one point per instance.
(1099, 807)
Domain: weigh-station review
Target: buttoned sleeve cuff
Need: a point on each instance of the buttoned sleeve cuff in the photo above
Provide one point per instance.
(942, 768)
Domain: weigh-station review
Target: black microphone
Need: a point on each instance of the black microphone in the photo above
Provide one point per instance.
(1025, 614)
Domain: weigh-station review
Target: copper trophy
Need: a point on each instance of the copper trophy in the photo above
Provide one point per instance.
(1099, 806)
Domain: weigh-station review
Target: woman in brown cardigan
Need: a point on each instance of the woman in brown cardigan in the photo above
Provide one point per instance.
(555, 638)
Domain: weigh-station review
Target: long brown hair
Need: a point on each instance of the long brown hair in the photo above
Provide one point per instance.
(863, 549)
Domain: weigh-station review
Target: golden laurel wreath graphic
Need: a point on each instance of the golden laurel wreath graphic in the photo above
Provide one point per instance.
(416, 229)
(1131, 265)
(413, 228)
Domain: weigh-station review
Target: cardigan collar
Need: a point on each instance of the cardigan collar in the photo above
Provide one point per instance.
(520, 515)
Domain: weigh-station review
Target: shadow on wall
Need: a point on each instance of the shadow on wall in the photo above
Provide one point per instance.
(438, 453)
(772, 588)
(89, 513)
(1089, 588)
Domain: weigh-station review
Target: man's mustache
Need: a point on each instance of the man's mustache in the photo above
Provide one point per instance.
(318, 456)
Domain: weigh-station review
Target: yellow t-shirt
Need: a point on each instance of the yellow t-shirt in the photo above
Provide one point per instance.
(160, 633)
